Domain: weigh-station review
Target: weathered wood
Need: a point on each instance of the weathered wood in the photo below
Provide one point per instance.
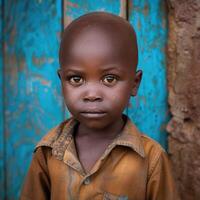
(149, 109)
(124, 9)
(2, 174)
(76, 8)
(33, 102)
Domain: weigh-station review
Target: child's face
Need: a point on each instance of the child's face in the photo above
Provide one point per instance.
(97, 81)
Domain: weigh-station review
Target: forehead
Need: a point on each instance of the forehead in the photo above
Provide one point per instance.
(98, 44)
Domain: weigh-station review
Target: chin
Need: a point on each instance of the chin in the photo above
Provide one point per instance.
(95, 124)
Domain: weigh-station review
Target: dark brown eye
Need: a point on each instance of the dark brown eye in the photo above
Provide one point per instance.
(76, 80)
(109, 80)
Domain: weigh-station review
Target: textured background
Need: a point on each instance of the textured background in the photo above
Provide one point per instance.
(184, 95)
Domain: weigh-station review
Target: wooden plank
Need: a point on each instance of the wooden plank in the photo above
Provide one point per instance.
(76, 8)
(2, 172)
(150, 111)
(33, 102)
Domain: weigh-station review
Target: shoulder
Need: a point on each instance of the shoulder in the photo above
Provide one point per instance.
(151, 147)
(52, 135)
(155, 153)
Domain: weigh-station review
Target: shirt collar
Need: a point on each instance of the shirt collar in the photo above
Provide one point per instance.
(63, 136)
(131, 137)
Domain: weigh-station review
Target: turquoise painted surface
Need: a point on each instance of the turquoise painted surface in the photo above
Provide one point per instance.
(149, 109)
(76, 8)
(1, 108)
(33, 102)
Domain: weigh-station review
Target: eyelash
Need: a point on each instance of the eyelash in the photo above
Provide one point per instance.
(72, 80)
(113, 77)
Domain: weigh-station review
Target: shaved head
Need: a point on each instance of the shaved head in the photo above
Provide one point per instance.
(101, 34)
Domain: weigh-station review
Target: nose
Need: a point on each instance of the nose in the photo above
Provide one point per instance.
(92, 94)
(91, 98)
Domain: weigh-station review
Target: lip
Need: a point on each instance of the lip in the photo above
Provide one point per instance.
(93, 114)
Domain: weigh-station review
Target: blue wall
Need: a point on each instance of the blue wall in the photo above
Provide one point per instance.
(2, 156)
(150, 109)
(33, 102)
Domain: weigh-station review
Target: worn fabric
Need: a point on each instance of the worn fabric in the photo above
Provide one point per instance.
(132, 167)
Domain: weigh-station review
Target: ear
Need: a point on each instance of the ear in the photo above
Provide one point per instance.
(136, 84)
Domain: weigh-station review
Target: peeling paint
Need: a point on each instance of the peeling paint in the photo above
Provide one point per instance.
(73, 5)
(151, 106)
(32, 105)
(146, 10)
(2, 158)
(123, 9)
(39, 61)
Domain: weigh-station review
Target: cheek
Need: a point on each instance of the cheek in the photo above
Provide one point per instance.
(119, 95)
(70, 95)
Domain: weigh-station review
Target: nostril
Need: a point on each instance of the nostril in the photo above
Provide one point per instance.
(92, 98)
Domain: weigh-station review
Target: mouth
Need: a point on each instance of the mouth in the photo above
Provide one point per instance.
(93, 114)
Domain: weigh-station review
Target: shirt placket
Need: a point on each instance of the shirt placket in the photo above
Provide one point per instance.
(71, 159)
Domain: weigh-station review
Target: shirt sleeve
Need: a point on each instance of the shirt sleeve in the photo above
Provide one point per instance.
(37, 183)
(161, 183)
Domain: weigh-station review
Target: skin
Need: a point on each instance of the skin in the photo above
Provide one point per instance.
(98, 58)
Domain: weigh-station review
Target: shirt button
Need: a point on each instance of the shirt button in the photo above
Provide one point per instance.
(86, 181)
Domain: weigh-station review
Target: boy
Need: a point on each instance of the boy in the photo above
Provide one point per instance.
(98, 153)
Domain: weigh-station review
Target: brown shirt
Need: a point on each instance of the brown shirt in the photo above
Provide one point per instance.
(133, 167)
